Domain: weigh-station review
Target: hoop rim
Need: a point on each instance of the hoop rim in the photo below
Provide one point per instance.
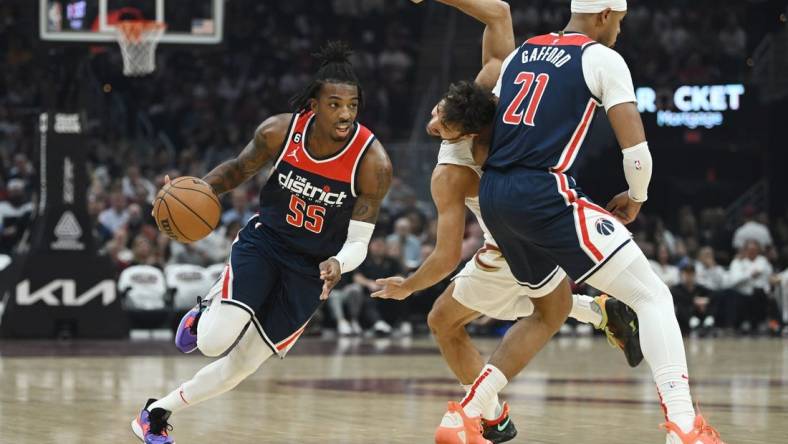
(134, 30)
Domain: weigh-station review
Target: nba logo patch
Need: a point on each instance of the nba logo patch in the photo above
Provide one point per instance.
(605, 227)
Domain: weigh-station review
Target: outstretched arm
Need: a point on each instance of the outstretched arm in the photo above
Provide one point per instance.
(268, 139)
(450, 185)
(498, 39)
(374, 179)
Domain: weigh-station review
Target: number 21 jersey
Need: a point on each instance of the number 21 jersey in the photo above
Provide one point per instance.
(307, 202)
(546, 108)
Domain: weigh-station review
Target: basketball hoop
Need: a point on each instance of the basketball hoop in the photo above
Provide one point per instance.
(138, 40)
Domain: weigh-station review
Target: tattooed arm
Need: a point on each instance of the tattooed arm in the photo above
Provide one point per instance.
(268, 139)
(374, 179)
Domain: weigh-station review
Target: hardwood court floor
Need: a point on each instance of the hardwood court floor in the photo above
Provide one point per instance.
(575, 391)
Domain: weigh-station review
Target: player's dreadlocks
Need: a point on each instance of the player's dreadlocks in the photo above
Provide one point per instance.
(335, 67)
(468, 106)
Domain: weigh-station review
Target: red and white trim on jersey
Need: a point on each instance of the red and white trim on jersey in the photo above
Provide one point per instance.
(341, 167)
(556, 39)
(580, 206)
(284, 346)
(569, 154)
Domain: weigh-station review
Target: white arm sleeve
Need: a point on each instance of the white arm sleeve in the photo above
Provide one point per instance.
(637, 170)
(607, 76)
(497, 89)
(354, 251)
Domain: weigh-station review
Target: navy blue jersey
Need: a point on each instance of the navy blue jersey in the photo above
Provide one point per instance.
(545, 109)
(307, 202)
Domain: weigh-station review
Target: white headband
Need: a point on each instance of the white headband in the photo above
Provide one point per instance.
(595, 6)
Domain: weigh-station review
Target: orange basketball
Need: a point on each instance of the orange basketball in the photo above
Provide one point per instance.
(187, 209)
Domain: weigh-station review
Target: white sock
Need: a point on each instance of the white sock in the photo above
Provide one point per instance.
(584, 309)
(484, 391)
(492, 410)
(674, 393)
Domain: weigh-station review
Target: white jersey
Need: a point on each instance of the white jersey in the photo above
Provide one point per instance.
(461, 153)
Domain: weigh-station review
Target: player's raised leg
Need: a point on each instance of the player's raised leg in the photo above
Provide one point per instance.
(151, 424)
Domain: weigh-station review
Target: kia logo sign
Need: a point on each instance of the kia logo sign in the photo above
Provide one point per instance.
(68, 293)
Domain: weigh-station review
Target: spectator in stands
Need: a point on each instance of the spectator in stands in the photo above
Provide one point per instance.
(15, 213)
(410, 246)
(144, 252)
(779, 294)
(239, 212)
(751, 230)
(137, 188)
(215, 247)
(749, 280)
(733, 41)
(668, 272)
(346, 302)
(708, 273)
(693, 302)
(117, 214)
(23, 169)
(381, 313)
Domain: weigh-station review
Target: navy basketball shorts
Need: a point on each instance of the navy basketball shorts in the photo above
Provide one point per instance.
(279, 289)
(547, 228)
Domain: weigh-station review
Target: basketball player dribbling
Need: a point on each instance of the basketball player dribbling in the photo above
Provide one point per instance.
(485, 286)
(548, 90)
(317, 215)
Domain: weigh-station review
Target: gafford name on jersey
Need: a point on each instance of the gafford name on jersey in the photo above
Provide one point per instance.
(549, 54)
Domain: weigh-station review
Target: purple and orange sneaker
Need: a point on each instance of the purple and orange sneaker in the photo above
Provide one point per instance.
(151, 426)
(186, 335)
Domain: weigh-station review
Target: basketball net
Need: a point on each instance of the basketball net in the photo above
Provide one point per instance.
(138, 40)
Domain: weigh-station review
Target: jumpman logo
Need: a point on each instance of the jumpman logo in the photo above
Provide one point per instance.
(294, 154)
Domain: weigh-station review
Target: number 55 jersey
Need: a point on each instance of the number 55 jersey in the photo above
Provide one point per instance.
(307, 202)
(305, 207)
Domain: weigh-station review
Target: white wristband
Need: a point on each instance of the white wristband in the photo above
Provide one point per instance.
(354, 251)
(637, 170)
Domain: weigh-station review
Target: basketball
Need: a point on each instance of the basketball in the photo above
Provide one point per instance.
(187, 209)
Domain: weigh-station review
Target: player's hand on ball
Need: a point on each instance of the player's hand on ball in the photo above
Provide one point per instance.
(623, 208)
(153, 204)
(393, 288)
(330, 274)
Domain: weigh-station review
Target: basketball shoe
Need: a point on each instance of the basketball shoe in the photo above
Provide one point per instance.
(501, 429)
(701, 433)
(151, 426)
(458, 428)
(186, 335)
(620, 324)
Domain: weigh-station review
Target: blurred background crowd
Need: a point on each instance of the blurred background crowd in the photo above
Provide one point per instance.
(727, 268)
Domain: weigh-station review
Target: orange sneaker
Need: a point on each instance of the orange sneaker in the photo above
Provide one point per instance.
(701, 433)
(457, 428)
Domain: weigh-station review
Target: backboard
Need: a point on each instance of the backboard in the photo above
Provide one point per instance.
(189, 22)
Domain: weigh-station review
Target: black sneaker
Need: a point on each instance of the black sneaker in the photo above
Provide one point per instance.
(501, 429)
(620, 324)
